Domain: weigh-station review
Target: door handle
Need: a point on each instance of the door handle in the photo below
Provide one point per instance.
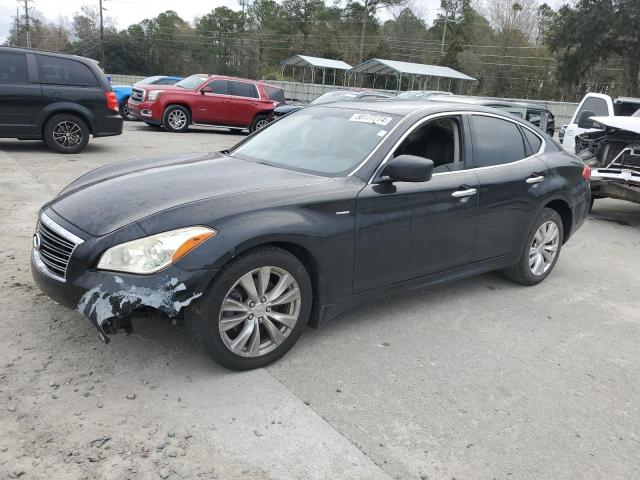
(464, 193)
(537, 179)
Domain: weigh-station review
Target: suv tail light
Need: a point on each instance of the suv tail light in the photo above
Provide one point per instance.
(112, 101)
(586, 173)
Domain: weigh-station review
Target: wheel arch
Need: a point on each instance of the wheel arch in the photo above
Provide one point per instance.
(563, 209)
(84, 116)
(178, 103)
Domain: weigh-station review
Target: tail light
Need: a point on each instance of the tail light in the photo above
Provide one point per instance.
(586, 173)
(112, 101)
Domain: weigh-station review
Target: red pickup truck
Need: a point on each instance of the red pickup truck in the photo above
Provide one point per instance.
(206, 99)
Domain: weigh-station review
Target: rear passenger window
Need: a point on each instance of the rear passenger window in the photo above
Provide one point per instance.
(242, 89)
(495, 141)
(534, 141)
(63, 71)
(13, 68)
(275, 93)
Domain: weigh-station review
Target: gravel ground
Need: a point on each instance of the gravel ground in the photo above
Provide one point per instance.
(478, 379)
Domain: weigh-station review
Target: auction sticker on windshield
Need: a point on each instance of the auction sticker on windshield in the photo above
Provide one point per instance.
(370, 118)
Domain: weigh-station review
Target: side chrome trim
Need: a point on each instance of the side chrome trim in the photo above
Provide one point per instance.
(541, 150)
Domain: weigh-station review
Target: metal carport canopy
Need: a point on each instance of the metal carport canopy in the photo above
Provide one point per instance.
(380, 66)
(315, 62)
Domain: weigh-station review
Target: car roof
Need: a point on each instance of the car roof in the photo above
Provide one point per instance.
(227, 77)
(404, 108)
(45, 52)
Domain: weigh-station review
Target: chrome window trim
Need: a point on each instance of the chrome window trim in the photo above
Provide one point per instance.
(419, 123)
(62, 232)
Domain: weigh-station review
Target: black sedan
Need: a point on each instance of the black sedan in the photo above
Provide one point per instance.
(327, 208)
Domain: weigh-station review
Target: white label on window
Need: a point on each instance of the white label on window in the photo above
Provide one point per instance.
(370, 118)
(382, 133)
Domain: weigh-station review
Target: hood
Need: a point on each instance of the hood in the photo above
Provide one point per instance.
(631, 124)
(119, 194)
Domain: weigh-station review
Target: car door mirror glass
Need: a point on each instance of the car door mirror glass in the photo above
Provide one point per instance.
(409, 168)
(584, 121)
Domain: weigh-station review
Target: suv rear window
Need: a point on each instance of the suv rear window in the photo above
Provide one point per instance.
(275, 93)
(242, 89)
(13, 68)
(64, 71)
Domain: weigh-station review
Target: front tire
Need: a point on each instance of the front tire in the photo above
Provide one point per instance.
(124, 111)
(254, 311)
(65, 133)
(176, 119)
(540, 251)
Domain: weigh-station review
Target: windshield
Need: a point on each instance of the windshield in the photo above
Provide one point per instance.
(321, 140)
(334, 97)
(192, 82)
(147, 81)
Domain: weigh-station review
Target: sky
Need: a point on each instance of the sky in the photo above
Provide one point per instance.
(127, 12)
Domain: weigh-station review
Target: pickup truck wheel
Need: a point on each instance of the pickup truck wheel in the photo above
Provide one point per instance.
(540, 251)
(176, 118)
(124, 111)
(66, 133)
(260, 121)
(254, 310)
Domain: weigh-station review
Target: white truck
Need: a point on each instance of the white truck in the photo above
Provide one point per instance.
(595, 105)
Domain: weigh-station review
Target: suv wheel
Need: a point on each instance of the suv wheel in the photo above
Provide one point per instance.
(124, 111)
(66, 133)
(540, 251)
(176, 118)
(260, 121)
(254, 311)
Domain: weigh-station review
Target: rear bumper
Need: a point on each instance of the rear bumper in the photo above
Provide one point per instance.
(108, 126)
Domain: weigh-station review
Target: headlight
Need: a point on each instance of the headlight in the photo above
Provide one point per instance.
(153, 94)
(152, 254)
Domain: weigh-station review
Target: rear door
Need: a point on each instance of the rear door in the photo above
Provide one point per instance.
(20, 99)
(213, 107)
(68, 80)
(512, 183)
(244, 104)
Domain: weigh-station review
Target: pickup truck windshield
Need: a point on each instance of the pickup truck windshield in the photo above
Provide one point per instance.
(319, 140)
(192, 82)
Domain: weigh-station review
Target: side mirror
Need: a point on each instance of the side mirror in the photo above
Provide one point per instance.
(584, 121)
(204, 90)
(409, 168)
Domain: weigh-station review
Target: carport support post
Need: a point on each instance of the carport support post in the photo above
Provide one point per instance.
(449, 85)
(386, 77)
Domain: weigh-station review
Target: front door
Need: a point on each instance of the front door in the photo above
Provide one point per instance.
(20, 100)
(408, 230)
(213, 107)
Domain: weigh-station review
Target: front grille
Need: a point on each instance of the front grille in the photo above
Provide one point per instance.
(53, 246)
(137, 95)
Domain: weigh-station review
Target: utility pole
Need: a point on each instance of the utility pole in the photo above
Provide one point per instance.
(101, 37)
(17, 23)
(444, 32)
(26, 14)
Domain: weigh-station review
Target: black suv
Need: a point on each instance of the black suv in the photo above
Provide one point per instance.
(61, 99)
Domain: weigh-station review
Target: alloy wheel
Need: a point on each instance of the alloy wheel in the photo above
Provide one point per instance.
(261, 123)
(177, 119)
(127, 113)
(67, 134)
(544, 248)
(259, 311)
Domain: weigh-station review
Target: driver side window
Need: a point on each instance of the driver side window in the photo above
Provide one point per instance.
(439, 141)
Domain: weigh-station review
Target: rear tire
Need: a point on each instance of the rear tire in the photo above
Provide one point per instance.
(260, 338)
(65, 133)
(260, 121)
(176, 119)
(540, 251)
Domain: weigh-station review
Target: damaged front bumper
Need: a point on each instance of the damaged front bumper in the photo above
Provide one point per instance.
(620, 183)
(107, 298)
(63, 266)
